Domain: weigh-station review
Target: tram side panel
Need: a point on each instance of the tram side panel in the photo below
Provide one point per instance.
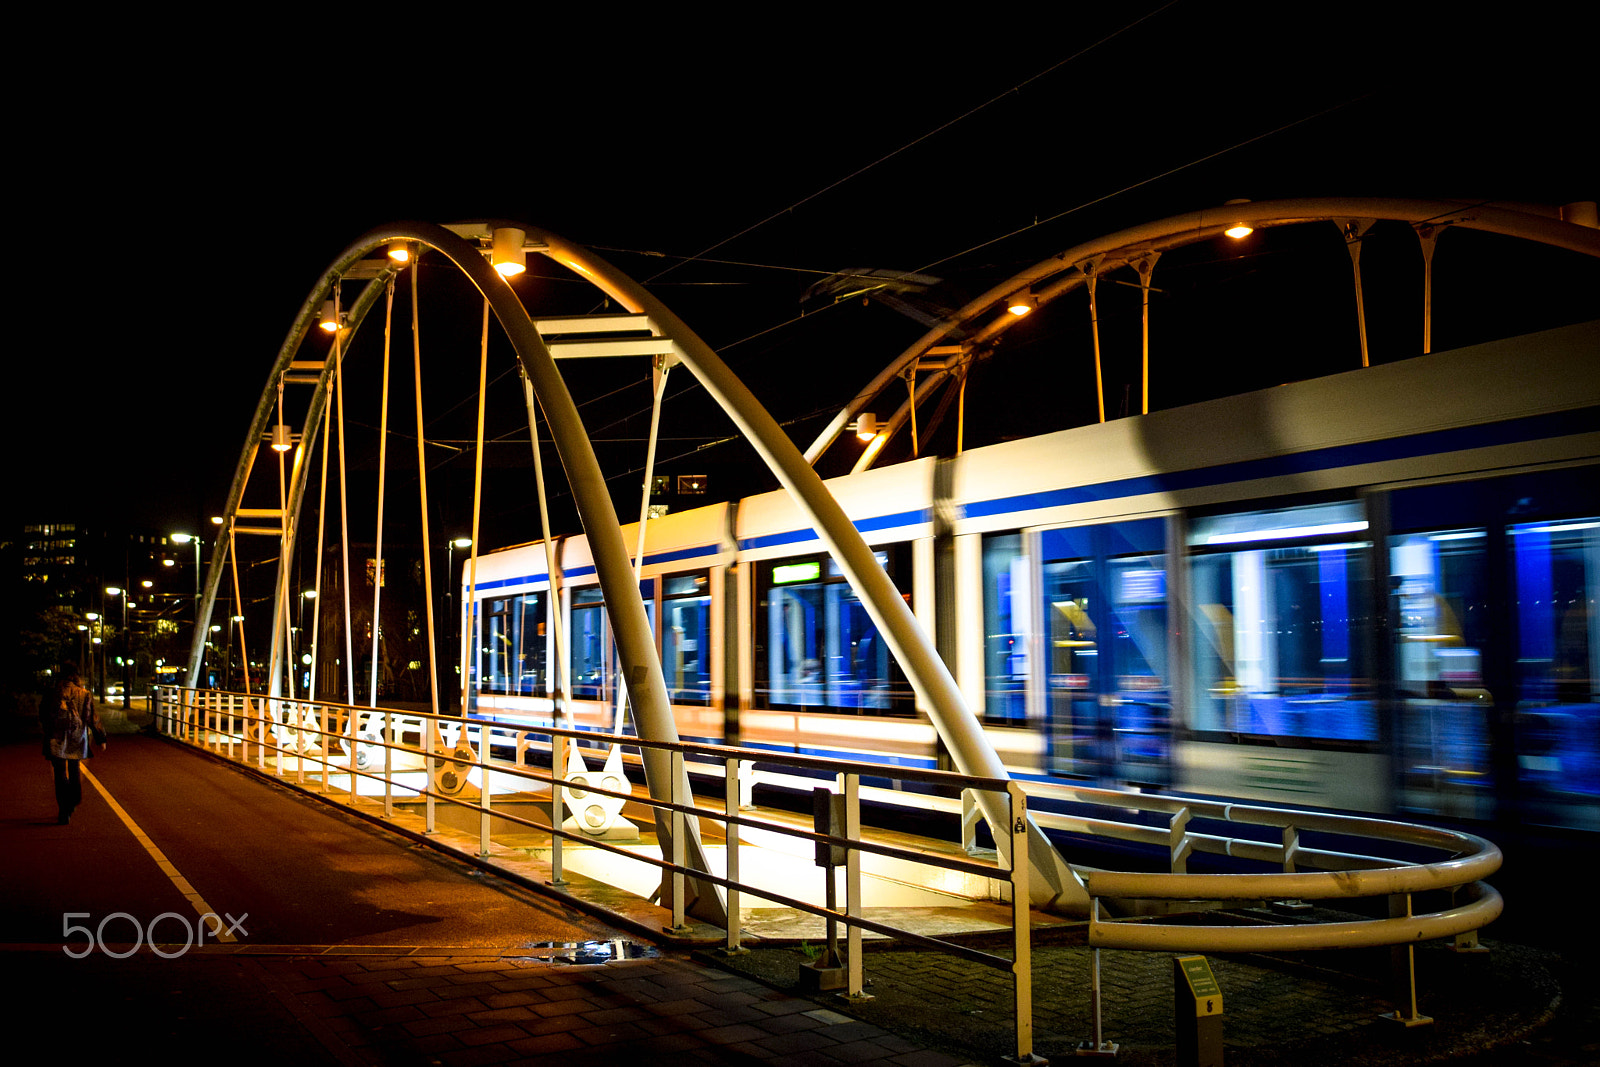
(1285, 609)
(1283, 677)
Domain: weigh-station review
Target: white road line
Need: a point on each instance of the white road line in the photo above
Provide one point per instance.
(195, 899)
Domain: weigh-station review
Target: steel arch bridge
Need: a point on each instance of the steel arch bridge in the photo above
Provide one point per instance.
(463, 246)
(975, 327)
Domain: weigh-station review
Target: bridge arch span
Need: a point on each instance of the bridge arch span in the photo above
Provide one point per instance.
(979, 324)
(630, 625)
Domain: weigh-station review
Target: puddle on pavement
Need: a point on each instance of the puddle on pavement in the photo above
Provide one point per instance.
(590, 953)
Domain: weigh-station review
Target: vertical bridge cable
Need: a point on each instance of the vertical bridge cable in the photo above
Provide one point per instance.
(422, 484)
(1091, 269)
(1427, 236)
(659, 372)
(911, 387)
(238, 604)
(285, 638)
(477, 510)
(383, 452)
(557, 680)
(961, 411)
(1146, 267)
(344, 505)
(316, 581)
(1353, 231)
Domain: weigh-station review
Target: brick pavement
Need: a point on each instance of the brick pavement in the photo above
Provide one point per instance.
(1306, 1011)
(465, 1011)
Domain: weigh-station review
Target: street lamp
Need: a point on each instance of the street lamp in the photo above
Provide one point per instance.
(127, 648)
(91, 635)
(305, 596)
(188, 539)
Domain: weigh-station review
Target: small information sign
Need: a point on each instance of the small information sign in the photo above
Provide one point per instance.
(1203, 986)
(1197, 1012)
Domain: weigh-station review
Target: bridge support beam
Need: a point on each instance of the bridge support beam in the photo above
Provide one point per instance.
(928, 675)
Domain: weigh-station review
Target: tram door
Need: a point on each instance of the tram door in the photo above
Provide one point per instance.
(1493, 593)
(1557, 576)
(1104, 638)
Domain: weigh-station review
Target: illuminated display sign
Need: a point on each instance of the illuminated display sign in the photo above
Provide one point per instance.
(796, 572)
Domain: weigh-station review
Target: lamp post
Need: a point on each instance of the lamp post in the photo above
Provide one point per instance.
(193, 539)
(215, 629)
(127, 681)
(305, 660)
(94, 645)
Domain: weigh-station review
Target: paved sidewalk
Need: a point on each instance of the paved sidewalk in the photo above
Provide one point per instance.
(1303, 1011)
(250, 1008)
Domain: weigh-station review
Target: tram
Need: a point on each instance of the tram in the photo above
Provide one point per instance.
(1374, 591)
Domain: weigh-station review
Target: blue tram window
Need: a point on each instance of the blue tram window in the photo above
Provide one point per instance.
(1281, 631)
(1556, 570)
(1005, 630)
(818, 647)
(686, 637)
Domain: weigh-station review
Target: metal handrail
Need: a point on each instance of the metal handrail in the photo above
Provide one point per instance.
(191, 725)
(1344, 875)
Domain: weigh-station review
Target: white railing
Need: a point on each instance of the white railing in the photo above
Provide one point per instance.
(293, 740)
(275, 734)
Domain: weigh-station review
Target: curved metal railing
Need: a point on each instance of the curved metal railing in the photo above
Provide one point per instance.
(275, 733)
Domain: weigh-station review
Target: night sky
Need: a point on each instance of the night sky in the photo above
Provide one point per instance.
(176, 215)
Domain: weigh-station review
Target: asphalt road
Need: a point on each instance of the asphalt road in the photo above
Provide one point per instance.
(281, 870)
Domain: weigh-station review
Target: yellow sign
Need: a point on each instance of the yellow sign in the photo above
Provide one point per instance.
(1203, 985)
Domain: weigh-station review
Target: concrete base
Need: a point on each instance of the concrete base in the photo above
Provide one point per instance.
(817, 978)
(620, 830)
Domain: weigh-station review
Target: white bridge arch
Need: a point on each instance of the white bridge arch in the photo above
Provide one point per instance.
(641, 669)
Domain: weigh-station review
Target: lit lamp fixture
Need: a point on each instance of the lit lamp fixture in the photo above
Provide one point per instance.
(1021, 303)
(281, 438)
(330, 318)
(399, 250)
(866, 426)
(166, 563)
(507, 255)
(1238, 230)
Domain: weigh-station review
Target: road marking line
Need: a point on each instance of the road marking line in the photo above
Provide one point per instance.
(195, 899)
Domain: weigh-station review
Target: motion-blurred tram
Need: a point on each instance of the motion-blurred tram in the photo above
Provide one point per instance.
(1374, 591)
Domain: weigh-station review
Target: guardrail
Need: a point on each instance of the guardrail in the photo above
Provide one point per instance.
(275, 733)
(272, 733)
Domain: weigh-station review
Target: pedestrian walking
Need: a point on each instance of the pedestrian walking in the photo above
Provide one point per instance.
(72, 730)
